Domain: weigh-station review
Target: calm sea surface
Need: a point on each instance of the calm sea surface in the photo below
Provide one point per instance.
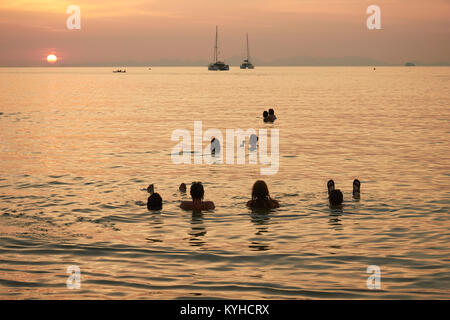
(79, 145)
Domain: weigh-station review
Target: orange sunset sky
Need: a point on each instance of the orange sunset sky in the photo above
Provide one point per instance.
(144, 31)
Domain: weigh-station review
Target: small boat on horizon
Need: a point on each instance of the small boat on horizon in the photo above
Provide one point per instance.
(246, 64)
(217, 65)
(120, 71)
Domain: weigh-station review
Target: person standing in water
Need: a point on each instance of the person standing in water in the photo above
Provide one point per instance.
(197, 203)
(215, 146)
(356, 189)
(253, 140)
(261, 198)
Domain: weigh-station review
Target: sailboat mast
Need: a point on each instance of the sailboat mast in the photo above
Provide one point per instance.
(215, 47)
(248, 50)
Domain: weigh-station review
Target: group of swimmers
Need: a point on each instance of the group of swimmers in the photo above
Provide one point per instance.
(260, 197)
(260, 192)
(269, 116)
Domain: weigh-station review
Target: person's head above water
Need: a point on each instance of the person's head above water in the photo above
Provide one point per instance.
(330, 186)
(271, 111)
(182, 187)
(150, 189)
(265, 114)
(336, 197)
(154, 202)
(356, 187)
(215, 145)
(197, 203)
(253, 140)
(260, 191)
(197, 191)
(261, 198)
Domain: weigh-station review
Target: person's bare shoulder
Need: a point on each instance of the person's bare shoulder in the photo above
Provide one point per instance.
(250, 203)
(186, 205)
(274, 204)
(209, 205)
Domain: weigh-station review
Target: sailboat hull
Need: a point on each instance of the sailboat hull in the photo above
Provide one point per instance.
(218, 67)
(247, 66)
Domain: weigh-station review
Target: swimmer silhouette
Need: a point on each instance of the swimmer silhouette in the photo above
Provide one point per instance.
(356, 189)
(266, 116)
(182, 187)
(272, 117)
(330, 186)
(261, 198)
(197, 203)
(253, 141)
(215, 146)
(154, 202)
(335, 197)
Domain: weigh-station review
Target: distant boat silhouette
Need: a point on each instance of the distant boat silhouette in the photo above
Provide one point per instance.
(217, 65)
(409, 64)
(246, 64)
(120, 71)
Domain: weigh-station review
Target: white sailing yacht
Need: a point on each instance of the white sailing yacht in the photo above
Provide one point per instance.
(246, 64)
(217, 64)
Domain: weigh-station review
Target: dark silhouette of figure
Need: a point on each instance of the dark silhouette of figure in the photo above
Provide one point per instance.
(197, 203)
(215, 146)
(356, 189)
(154, 202)
(253, 140)
(330, 186)
(261, 198)
(272, 117)
(336, 198)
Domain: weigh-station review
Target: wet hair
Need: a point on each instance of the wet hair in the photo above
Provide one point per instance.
(260, 191)
(271, 112)
(265, 114)
(330, 184)
(197, 191)
(356, 185)
(154, 202)
(336, 197)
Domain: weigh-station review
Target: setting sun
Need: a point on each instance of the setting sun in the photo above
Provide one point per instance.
(51, 58)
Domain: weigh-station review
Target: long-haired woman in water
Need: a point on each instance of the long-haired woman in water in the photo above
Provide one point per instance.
(261, 198)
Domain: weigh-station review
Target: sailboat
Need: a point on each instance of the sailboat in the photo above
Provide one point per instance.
(246, 64)
(217, 64)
